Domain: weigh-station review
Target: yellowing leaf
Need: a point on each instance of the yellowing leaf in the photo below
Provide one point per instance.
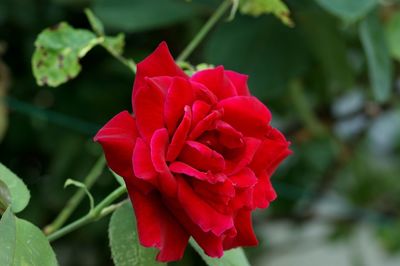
(57, 53)
(260, 7)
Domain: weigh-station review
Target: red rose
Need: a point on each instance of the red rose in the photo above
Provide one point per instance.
(196, 156)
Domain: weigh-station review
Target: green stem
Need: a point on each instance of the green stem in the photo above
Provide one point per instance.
(73, 202)
(102, 209)
(204, 30)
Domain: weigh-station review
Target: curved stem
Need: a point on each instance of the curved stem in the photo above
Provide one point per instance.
(204, 30)
(74, 201)
(102, 209)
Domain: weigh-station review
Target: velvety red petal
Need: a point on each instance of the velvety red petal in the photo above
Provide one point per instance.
(246, 114)
(244, 156)
(245, 233)
(228, 136)
(269, 155)
(180, 94)
(180, 135)
(199, 110)
(202, 93)
(161, 83)
(207, 218)
(263, 193)
(182, 168)
(158, 147)
(158, 63)
(243, 199)
(219, 193)
(216, 81)
(209, 242)
(148, 107)
(239, 81)
(142, 163)
(118, 138)
(201, 157)
(157, 227)
(244, 178)
(207, 123)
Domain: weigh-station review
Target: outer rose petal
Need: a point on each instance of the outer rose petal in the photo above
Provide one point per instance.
(245, 233)
(216, 81)
(149, 110)
(246, 114)
(263, 193)
(159, 63)
(239, 81)
(118, 139)
(209, 242)
(157, 227)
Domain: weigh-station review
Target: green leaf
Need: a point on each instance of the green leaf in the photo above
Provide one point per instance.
(57, 53)
(95, 22)
(114, 44)
(392, 30)
(5, 197)
(15, 193)
(124, 242)
(233, 257)
(22, 243)
(378, 59)
(348, 10)
(140, 15)
(260, 7)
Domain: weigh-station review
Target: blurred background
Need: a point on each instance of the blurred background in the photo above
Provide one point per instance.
(332, 82)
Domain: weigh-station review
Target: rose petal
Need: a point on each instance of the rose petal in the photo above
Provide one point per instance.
(158, 146)
(269, 155)
(157, 227)
(243, 156)
(202, 93)
(199, 110)
(263, 193)
(207, 123)
(118, 138)
(161, 83)
(142, 163)
(244, 178)
(209, 242)
(159, 63)
(201, 157)
(182, 168)
(216, 81)
(207, 218)
(180, 136)
(180, 94)
(228, 136)
(246, 114)
(217, 195)
(245, 233)
(149, 111)
(239, 81)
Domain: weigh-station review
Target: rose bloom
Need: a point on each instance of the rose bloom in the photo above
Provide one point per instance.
(196, 156)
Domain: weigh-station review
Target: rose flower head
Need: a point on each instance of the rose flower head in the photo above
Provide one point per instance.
(196, 156)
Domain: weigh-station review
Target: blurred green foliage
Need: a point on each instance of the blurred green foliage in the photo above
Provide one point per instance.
(332, 82)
